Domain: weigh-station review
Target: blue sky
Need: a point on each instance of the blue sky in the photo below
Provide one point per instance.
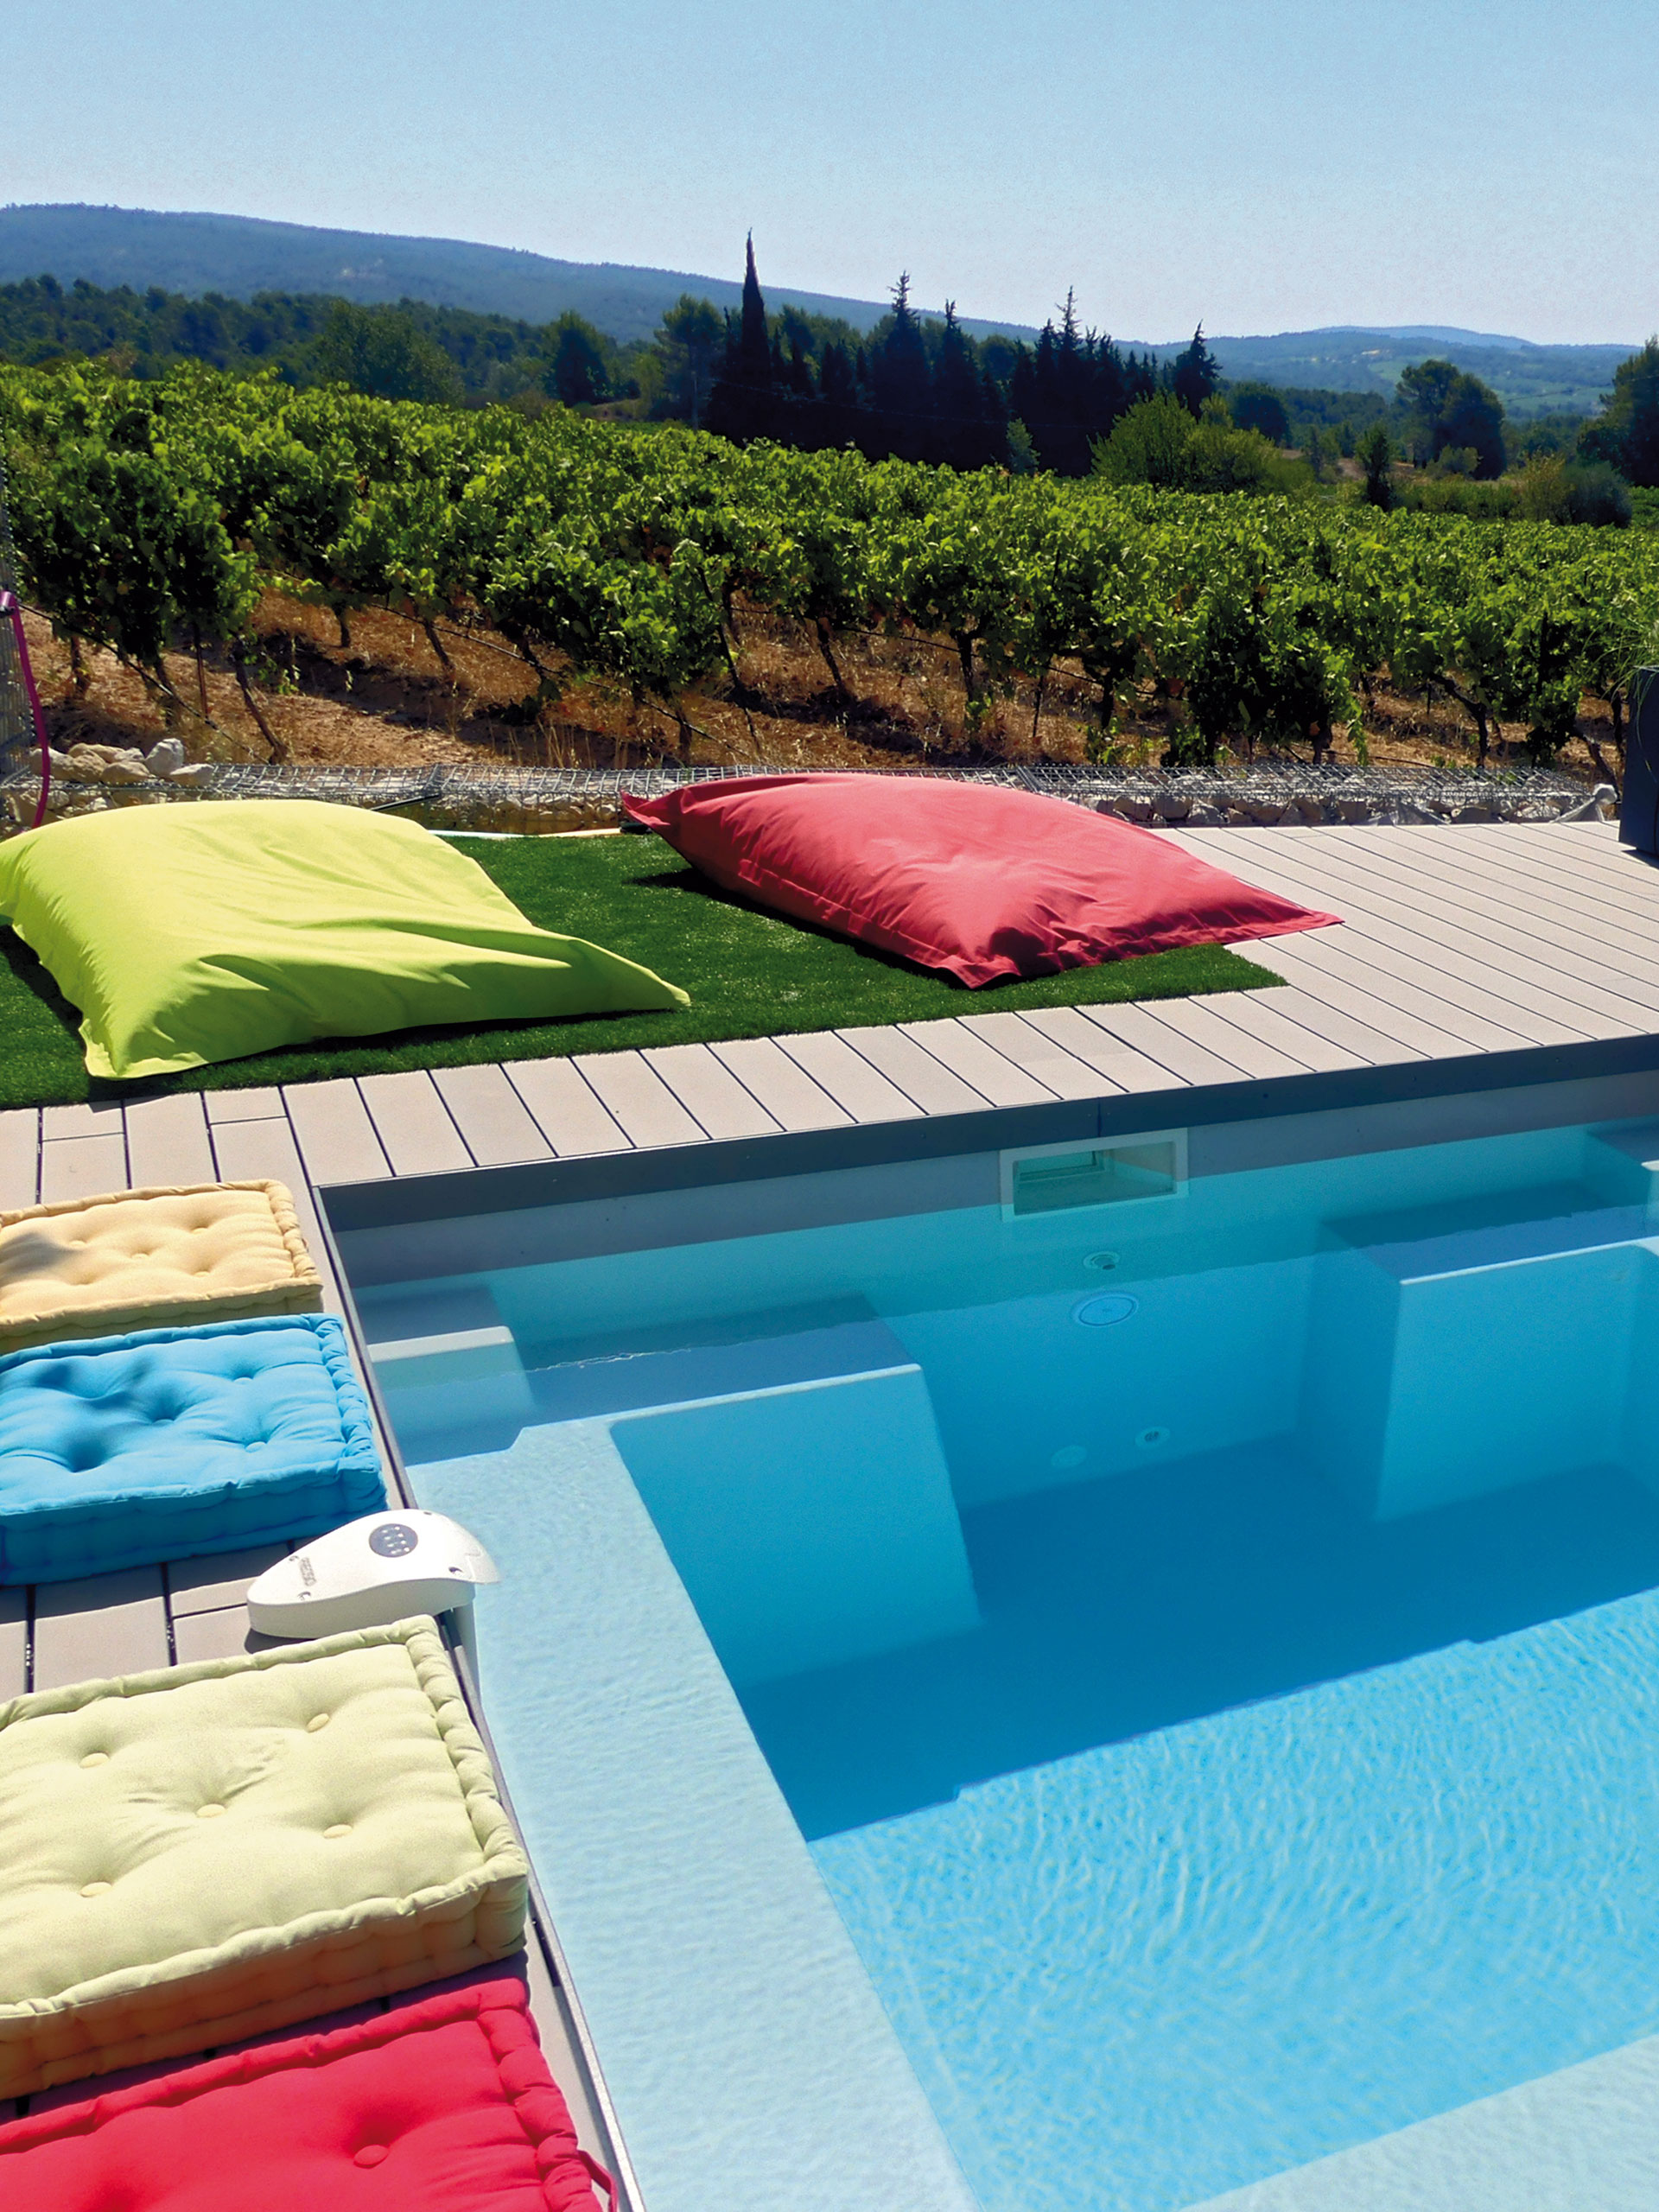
(1265, 168)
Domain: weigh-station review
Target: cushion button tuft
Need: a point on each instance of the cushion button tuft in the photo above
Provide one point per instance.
(96, 1758)
(208, 1812)
(97, 1889)
(317, 1720)
(371, 2154)
(340, 1828)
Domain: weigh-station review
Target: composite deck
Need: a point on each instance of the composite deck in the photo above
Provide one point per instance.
(1458, 943)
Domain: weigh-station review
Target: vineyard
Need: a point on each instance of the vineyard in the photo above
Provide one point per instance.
(150, 518)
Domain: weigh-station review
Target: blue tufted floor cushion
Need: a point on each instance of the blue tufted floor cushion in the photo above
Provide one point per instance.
(170, 1443)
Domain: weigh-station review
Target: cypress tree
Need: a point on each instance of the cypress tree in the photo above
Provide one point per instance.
(741, 404)
(754, 349)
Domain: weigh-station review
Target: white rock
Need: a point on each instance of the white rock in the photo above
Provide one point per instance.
(82, 764)
(197, 771)
(161, 760)
(126, 768)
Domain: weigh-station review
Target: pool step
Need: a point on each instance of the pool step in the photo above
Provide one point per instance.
(1459, 1349)
(758, 1352)
(811, 1523)
(447, 1364)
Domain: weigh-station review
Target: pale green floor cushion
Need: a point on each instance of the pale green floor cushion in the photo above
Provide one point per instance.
(197, 1855)
(192, 933)
(152, 1259)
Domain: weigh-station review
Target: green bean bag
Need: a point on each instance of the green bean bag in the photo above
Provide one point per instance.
(190, 933)
(197, 1855)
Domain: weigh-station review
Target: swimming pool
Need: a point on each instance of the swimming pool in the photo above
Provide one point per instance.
(1200, 1622)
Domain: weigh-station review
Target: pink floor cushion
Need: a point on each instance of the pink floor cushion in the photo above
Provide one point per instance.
(444, 2106)
(983, 883)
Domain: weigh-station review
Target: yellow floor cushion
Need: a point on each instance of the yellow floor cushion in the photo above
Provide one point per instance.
(199, 1854)
(151, 1259)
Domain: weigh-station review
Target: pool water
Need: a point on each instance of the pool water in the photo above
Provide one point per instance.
(1209, 1643)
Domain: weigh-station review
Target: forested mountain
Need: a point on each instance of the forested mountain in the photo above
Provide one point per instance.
(238, 257)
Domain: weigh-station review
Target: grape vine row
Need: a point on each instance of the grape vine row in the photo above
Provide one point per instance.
(148, 514)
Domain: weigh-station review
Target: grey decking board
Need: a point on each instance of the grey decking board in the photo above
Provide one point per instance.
(168, 1140)
(709, 1092)
(1470, 976)
(207, 1585)
(1617, 878)
(1596, 961)
(84, 1167)
(932, 1085)
(1605, 915)
(58, 1121)
(857, 1086)
(221, 1634)
(1432, 917)
(110, 1624)
(493, 1121)
(785, 1089)
(261, 1105)
(565, 1109)
(1118, 1066)
(1334, 1023)
(1258, 1016)
(20, 1158)
(1339, 974)
(414, 1127)
(1042, 1056)
(266, 1151)
(1139, 1027)
(637, 1099)
(960, 1048)
(1433, 928)
(1251, 1054)
(334, 1132)
(14, 1643)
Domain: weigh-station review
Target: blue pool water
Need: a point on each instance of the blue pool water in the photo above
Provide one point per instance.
(1227, 1721)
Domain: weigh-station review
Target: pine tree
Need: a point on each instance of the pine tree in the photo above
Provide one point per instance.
(902, 385)
(959, 400)
(1196, 375)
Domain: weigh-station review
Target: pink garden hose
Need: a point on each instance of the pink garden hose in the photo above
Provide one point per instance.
(9, 604)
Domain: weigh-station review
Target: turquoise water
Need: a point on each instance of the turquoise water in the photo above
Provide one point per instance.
(1210, 1644)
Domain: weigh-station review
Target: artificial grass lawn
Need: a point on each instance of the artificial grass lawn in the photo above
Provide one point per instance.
(750, 973)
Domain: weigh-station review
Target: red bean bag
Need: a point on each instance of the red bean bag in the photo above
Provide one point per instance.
(981, 881)
(444, 2106)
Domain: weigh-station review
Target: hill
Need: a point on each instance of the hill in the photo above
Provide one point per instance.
(239, 255)
(1529, 379)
